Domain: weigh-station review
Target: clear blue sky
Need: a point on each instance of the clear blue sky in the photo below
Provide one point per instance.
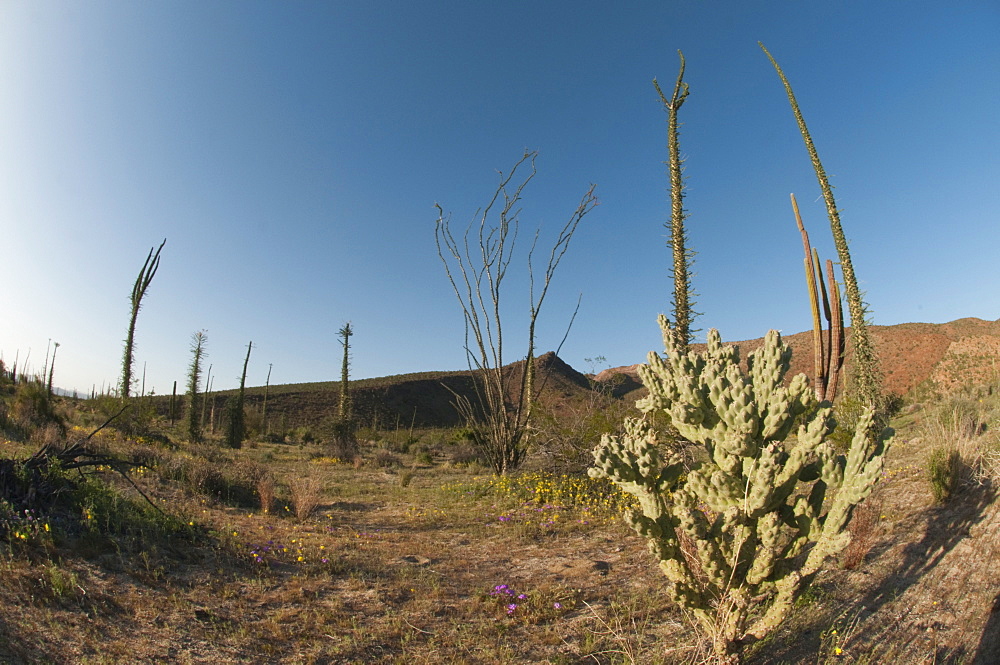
(291, 153)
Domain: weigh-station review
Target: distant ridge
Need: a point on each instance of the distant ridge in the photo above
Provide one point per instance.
(941, 356)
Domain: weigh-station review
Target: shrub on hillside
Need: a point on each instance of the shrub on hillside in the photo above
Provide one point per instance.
(944, 467)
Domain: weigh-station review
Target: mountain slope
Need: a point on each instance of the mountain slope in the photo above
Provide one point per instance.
(940, 356)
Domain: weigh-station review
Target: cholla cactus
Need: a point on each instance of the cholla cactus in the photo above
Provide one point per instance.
(744, 530)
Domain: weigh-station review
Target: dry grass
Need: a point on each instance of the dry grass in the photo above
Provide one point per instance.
(969, 428)
(307, 493)
(265, 492)
(379, 572)
(864, 530)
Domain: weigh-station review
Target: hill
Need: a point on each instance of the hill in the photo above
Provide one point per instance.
(926, 356)
(419, 400)
(939, 357)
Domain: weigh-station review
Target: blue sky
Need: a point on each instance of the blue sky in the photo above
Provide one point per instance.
(292, 152)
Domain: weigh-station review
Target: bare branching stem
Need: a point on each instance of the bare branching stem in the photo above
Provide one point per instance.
(476, 264)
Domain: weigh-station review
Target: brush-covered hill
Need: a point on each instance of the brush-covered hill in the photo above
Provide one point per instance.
(420, 400)
(933, 357)
(938, 357)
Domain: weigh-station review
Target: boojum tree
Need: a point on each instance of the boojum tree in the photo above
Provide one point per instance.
(235, 420)
(344, 404)
(344, 430)
(866, 379)
(198, 341)
(682, 254)
(146, 274)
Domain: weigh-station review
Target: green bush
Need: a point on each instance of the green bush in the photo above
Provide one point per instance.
(944, 467)
(30, 408)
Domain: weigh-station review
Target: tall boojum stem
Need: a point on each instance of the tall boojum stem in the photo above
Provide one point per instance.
(682, 256)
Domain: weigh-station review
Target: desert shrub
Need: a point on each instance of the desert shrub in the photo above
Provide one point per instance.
(406, 477)
(48, 435)
(965, 426)
(209, 453)
(864, 531)
(253, 420)
(423, 457)
(562, 439)
(265, 492)
(135, 524)
(385, 459)
(944, 468)
(273, 437)
(466, 454)
(306, 494)
(232, 484)
(849, 410)
(146, 455)
(139, 419)
(32, 407)
(300, 435)
(341, 438)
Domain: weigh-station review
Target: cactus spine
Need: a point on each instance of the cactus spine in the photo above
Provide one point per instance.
(741, 531)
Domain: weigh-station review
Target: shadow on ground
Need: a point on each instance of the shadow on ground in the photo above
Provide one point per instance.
(856, 610)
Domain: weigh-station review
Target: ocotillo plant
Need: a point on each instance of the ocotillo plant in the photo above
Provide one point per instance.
(500, 412)
(867, 375)
(828, 348)
(743, 531)
(198, 341)
(146, 274)
(236, 423)
(682, 256)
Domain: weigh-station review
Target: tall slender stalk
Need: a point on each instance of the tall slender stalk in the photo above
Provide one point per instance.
(52, 367)
(263, 410)
(173, 405)
(236, 423)
(682, 256)
(867, 375)
(344, 406)
(208, 391)
(198, 341)
(145, 276)
(828, 348)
